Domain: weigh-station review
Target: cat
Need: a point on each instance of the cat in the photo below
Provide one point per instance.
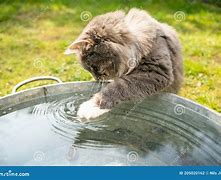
(141, 55)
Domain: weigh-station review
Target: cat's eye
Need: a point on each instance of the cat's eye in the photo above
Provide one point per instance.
(92, 54)
(104, 74)
(95, 69)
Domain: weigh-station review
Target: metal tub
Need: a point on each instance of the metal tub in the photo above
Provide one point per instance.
(37, 128)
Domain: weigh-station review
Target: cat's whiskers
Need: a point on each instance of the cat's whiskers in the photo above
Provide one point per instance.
(102, 82)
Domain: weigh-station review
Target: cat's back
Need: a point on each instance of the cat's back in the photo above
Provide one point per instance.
(149, 30)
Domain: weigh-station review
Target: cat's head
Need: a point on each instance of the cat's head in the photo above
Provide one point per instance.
(102, 48)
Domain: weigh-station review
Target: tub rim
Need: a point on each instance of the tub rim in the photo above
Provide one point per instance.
(52, 90)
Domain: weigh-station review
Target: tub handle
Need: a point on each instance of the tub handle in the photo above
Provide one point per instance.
(35, 79)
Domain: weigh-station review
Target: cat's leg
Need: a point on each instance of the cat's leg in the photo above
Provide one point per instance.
(133, 86)
(91, 109)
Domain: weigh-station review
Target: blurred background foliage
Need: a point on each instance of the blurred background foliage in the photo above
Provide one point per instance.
(35, 33)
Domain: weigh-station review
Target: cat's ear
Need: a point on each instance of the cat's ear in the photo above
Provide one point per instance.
(76, 46)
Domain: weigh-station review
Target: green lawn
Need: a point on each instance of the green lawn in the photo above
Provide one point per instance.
(33, 36)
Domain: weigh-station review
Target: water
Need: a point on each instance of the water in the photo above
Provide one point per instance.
(132, 134)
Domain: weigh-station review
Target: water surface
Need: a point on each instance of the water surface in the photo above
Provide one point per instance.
(132, 134)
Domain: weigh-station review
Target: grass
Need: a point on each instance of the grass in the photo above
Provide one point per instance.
(34, 35)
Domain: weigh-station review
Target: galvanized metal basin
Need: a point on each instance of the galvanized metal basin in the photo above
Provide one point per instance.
(39, 127)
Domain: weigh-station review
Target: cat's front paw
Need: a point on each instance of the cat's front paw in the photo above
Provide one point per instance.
(90, 109)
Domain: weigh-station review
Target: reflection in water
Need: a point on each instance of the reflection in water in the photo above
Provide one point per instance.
(133, 134)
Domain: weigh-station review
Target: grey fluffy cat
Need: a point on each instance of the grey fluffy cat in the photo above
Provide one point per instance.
(141, 55)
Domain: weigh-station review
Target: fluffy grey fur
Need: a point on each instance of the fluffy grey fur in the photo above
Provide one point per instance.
(141, 55)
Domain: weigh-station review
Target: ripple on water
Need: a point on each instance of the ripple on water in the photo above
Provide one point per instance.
(62, 114)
